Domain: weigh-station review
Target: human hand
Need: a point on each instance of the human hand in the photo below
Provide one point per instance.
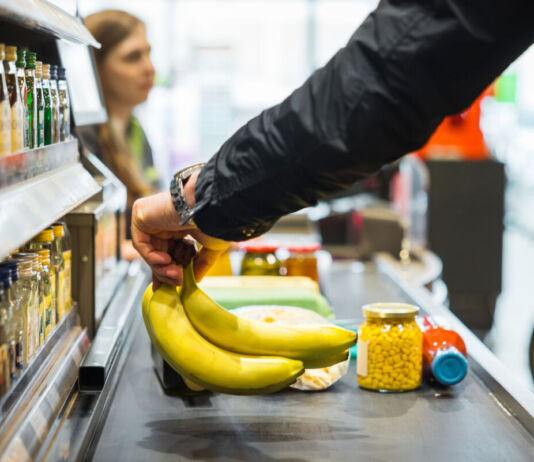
(156, 232)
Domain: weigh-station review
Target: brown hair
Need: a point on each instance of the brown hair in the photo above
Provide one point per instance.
(111, 27)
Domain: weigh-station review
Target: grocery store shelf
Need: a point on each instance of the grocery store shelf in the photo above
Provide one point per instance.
(30, 206)
(39, 15)
(25, 165)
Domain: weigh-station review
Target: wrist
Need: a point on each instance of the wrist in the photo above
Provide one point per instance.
(189, 190)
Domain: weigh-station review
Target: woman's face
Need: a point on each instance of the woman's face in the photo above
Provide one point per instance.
(127, 73)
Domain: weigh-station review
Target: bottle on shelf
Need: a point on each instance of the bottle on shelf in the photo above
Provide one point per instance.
(5, 111)
(29, 301)
(5, 277)
(40, 102)
(64, 105)
(17, 322)
(54, 96)
(20, 63)
(15, 101)
(444, 352)
(41, 301)
(5, 378)
(67, 260)
(48, 286)
(48, 119)
(32, 99)
(45, 241)
(59, 268)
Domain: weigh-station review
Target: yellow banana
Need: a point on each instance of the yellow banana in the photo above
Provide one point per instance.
(205, 364)
(228, 331)
(326, 362)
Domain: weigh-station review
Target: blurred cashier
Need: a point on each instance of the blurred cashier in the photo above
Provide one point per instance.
(126, 75)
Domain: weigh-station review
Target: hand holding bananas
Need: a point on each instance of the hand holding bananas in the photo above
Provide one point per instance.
(155, 225)
(222, 352)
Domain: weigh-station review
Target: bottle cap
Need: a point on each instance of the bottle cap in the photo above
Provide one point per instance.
(304, 248)
(58, 230)
(26, 264)
(45, 257)
(21, 59)
(46, 71)
(11, 53)
(53, 72)
(12, 267)
(5, 278)
(2, 51)
(30, 60)
(449, 366)
(390, 310)
(46, 235)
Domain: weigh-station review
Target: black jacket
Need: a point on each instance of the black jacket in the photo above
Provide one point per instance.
(408, 65)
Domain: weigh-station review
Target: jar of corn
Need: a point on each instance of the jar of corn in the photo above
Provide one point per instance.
(390, 356)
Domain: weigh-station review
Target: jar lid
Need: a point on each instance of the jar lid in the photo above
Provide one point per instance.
(304, 248)
(58, 230)
(260, 248)
(46, 235)
(390, 310)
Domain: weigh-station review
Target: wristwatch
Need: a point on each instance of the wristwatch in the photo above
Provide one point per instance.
(177, 192)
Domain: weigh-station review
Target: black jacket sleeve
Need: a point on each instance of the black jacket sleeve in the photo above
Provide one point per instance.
(407, 66)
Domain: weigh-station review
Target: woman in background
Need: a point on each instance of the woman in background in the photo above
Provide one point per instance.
(126, 75)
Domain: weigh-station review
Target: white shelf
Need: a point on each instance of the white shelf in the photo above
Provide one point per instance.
(28, 207)
(42, 16)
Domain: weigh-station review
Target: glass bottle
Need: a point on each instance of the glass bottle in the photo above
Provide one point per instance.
(40, 102)
(54, 96)
(18, 314)
(5, 378)
(45, 241)
(59, 269)
(5, 110)
(390, 348)
(48, 283)
(64, 105)
(32, 99)
(5, 276)
(48, 136)
(15, 101)
(29, 301)
(23, 88)
(67, 262)
(39, 315)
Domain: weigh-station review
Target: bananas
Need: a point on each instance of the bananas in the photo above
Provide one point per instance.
(228, 331)
(203, 363)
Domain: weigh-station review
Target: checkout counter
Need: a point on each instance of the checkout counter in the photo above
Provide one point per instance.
(93, 395)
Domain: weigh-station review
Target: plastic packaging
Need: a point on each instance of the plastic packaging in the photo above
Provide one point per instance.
(444, 352)
(390, 348)
(311, 379)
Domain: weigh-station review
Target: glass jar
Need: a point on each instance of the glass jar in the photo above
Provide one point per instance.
(390, 348)
(302, 261)
(59, 269)
(260, 260)
(49, 283)
(29, 301)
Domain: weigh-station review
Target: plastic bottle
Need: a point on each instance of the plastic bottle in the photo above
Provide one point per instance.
(444, 352)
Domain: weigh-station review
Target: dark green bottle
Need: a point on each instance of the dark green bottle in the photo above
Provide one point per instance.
(32, 99)
(40, 102)
(48, 122)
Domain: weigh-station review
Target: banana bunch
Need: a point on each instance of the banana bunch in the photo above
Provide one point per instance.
(217, 350)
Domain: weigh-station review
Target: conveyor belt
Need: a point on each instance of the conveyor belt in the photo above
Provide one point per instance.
(345, 423)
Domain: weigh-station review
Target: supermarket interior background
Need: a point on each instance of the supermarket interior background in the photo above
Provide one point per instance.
(394, 319)
(221, 62)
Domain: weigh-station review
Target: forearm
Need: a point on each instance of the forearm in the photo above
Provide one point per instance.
(381, 96)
